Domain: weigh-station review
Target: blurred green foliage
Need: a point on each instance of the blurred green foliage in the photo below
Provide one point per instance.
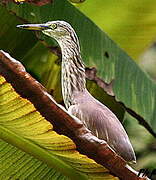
(131, 24)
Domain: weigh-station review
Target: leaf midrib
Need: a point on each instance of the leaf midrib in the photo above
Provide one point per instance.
(31, 148)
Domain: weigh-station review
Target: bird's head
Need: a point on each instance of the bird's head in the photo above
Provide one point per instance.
(55, 29)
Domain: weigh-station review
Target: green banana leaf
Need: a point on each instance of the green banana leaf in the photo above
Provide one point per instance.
(131, 85)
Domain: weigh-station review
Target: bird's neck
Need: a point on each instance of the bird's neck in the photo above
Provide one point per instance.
(73, 72)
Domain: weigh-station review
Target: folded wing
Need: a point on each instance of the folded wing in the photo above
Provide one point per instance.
(105, 125)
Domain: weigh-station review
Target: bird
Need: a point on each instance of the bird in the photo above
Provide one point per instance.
(98, 118)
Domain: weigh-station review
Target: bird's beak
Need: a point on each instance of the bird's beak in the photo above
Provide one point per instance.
(36, 27)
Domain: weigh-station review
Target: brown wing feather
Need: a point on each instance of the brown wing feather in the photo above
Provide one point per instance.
(105, 125)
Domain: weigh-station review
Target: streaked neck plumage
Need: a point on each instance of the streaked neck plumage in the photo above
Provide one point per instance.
(73, 70)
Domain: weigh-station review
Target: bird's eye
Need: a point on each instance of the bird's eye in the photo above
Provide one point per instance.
(53, 26)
